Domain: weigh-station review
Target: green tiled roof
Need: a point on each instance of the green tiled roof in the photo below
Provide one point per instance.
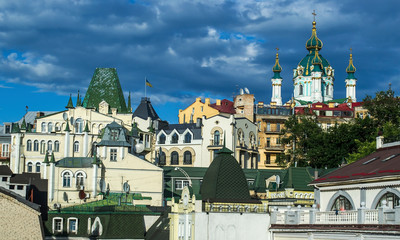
(225, 180)
(298, 178)
(75, 162)
(70, 104)
(314, 42)
(105, 86)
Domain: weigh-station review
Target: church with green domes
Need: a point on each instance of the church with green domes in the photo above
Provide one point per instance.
(313, 78)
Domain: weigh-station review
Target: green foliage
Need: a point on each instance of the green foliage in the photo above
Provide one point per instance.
(363, 149)
(391, 132)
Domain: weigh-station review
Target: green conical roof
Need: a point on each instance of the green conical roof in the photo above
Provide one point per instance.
(52, 158)
(67, 128)
(105, 86)
(70, 104)
(224, 180)
(46, 157)
(86, 127)
(129, 103)
(314, 42)
(277, 68)
(15, 128)
(78, 101)
(23, 124)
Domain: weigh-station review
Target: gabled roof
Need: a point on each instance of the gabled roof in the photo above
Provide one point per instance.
(384, 162)
(121, 139)
(181, 128)
(20, 199)
(105, 86)
(225, 107)
(5, 170)
(145, 110)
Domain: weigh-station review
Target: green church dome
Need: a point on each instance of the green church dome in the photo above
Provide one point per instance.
(314, 42)
(277, 67)
(351, 69)
(307, 62)
(224, 180)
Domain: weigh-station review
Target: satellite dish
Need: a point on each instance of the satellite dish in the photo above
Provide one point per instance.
(139, 148)
(82, 195)
(241, 91)
(71, 120)
(65, 116)
(126, 187)
(65, 196)
(102, 185)
(246, 90)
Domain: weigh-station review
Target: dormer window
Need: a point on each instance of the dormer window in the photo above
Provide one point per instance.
(7, 129)
(174, 138)
(188, 138)
(114, 135)
(162, 139)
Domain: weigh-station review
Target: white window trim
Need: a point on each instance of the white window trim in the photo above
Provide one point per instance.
(76, 226)
(54, 226)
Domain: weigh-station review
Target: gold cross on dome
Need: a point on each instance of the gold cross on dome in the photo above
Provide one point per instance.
(314, 14)
(351, 50)
(277, 49)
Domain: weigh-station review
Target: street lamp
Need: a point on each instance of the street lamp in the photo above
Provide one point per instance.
(185, 174)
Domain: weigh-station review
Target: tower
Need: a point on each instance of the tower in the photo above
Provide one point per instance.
(351, 80)
(277, 81)
(313, 78)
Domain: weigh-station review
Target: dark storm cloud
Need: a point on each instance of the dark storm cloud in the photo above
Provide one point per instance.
(194, 48)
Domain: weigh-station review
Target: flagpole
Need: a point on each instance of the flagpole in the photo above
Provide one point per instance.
(145, 87)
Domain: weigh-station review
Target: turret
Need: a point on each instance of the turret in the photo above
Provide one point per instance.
(276, 81)
(351, 80)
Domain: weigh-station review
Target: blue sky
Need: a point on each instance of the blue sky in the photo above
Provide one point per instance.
(186, 49)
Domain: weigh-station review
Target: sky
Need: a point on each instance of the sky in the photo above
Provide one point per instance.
(186, 49)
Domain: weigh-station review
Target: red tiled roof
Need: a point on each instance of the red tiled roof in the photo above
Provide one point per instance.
(225, 107)
(384, 162)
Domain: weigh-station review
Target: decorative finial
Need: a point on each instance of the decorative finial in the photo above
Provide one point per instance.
(314, 14)
(277, 50)
(351, 50)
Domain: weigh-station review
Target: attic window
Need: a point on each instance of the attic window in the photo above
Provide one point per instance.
(114, 135)
(390, 157)
(373, 159)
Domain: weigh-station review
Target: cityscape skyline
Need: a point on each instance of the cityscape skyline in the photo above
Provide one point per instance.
(186, 49)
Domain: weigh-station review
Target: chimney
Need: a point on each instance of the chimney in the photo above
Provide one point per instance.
(379, 142)
(198, 122)
(198, 99)
(331, 104)
(218, 102)
(315, 173)
(208, 101)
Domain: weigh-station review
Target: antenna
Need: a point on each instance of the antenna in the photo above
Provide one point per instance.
(246, 90)
(241, 91)
(139, 148)
(65, 116)
(126, 187)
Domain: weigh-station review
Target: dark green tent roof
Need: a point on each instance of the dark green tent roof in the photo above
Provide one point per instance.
(225, 180)
(75, 162)
(105, 86)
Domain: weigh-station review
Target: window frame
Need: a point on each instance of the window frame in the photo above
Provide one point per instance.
(174, 161)
(29, 145)
(66, 179)
(56, 146)
(37, 165)
(76, 146)
(29, 167)
(57, 228)
(185, 160)
(69, 225)
(113, 154)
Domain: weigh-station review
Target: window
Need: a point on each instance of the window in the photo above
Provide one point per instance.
(327, 90)
(43, 127)
(392, 200)
(175, 138)
(268, 142)
(36, 146)
(76, 146)
(268, 127)
(49, 146)
(50, 127)
(4, 179)
(113, 154)
(8, 129)
(30, 166)
(187, 157)
(20, 187)
(216, 138)
(42, 146)
(180, 184)
(341, 203)
(72, 225)
(80, 178)
(56, 146)
(267, 158)
(57, 225)
(12, 187)
(67, 179)
(5, 150)
(300, 89)
(162, 139)
(114, 135)
(174, 158)
(278, 127)
(188, 138)
(79, 125)
(38, 167)
(162, 158)
(29, 145)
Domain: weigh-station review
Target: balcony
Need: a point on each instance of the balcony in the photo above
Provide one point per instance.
(277, 147)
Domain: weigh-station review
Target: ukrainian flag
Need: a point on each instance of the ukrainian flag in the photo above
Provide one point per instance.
(148, 83)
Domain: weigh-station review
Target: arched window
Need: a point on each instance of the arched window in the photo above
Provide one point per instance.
(341, 203)
(217, 138)
(175, 138)
(50, 127)
(76, 146)
(327, 89)
(67, 179)
(162, 160)
(79, 125)
(43, 127)
(187, 157)
(162, 138)
(36, 146)
(188, 138)
(49, 146)
(29, 145)
(56, 146)
(38, 167)
(392, 200)
(30, 166)
(300, 89)
(80, 180)
(174, 158)
(42, 146)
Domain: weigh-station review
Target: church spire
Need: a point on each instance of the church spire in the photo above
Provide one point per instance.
(314, 43)
(70, 104)
(78, 101)
(277, 68)
(276, 81)
(351, 80)
(351, 69)
(129, 103)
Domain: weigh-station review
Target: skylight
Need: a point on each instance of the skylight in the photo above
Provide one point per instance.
(390, 157)
(373, 159)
